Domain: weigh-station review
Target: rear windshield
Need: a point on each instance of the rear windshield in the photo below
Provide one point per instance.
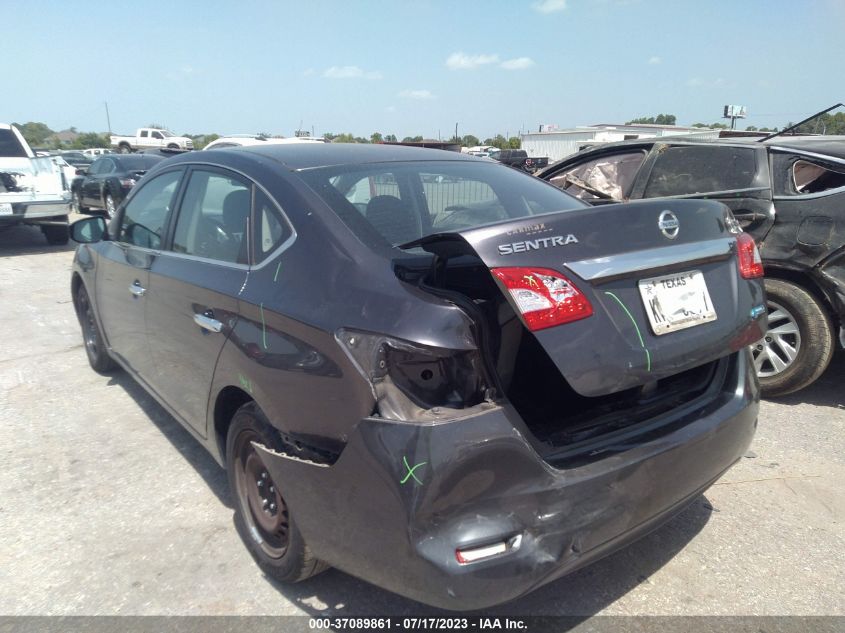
(10, 147)
(404, 201)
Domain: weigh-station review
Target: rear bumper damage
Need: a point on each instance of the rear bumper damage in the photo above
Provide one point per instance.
(402, 498)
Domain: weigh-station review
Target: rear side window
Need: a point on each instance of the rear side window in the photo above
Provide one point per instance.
(686, 170)
(213, 217)
(145, 215)
(603, 178)
(10, 147)
(271, 230)
(810, 177)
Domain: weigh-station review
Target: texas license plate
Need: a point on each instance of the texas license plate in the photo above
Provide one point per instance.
(676, 302)
(5, 208)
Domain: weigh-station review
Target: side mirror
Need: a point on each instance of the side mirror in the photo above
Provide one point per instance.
(81, 171)
(88, 230)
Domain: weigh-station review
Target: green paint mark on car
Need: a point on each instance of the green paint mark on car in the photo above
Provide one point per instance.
(411, 470)
(636, 327)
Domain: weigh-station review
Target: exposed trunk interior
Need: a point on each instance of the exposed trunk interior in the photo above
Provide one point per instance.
(564, 423)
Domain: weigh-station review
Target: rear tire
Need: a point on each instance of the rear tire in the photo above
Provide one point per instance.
(109, 206)
(123, 148)
(77, 203)
(92, 336)
(799, 344)
(262, 517)
(56, 235)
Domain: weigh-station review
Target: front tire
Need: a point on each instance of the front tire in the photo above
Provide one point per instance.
(92, 336)
(262, 517)
(798, 346)
(123, 148)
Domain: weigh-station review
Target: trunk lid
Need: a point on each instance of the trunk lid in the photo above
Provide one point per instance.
(607, 252)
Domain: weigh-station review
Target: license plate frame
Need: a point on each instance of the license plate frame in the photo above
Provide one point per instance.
(677, 301)
(6, 209)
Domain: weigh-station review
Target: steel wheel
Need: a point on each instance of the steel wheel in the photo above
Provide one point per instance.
(780, 347)
(262, 505)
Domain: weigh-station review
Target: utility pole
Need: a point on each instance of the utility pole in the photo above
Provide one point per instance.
(108, 120)
(456, 134)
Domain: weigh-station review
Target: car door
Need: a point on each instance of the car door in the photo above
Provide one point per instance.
(157, 139)
(91, 184)
(123, 269)
(192, 305)
(735, 174)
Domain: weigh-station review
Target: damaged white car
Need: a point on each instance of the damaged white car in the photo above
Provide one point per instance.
(33, 189)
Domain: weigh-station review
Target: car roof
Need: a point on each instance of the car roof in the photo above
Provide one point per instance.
(310, 155)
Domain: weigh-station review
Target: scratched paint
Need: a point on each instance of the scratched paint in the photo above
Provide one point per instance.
(246, 383)
(636, 327)
(263, 326)
(278, 268)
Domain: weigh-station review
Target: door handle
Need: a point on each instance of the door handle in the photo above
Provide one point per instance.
(137, 289)
(207, 321)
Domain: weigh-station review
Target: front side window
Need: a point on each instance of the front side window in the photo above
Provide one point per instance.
(604, 178)
(157, 135)
(686, 170)
(145, 216)
(213, 217)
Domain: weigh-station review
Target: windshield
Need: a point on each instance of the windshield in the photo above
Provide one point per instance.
(166, 133)
(402, 202)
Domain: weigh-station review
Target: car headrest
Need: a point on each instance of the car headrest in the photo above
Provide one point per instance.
(236, 210)
(393, 219)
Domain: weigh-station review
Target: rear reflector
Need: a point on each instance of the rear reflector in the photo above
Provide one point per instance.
(750, 264)
(545, 298)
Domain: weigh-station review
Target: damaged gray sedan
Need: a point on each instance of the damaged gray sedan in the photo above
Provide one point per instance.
(431, 371)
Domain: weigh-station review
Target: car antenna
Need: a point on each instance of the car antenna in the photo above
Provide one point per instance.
(800, 123)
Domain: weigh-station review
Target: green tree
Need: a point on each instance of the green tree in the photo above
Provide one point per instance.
(390, 138)
(660, 119)
(90, 139)
(35, 134)
(823, 124)
(514, 142)
(469, 140)
(412, 139)
(751, 128)
(376, 137)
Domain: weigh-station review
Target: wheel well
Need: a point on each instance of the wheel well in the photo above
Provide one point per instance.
(807, 283)
(75, 282)
(229, 400)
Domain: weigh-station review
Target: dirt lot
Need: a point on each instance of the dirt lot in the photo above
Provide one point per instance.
(108, 507)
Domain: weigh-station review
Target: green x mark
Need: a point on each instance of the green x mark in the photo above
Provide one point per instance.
(411, 470)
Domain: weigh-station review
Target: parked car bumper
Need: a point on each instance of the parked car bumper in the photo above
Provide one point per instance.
(38, 210)
(402, 498)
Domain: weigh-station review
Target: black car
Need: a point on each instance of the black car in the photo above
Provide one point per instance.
(432, 371)
(77, 159)
(519, 159)
(109, 180)
(787, 192)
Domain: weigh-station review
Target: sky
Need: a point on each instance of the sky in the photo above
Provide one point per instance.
(415, 67)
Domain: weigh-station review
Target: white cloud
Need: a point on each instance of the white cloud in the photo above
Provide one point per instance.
(462, 61)
(549, 6)
(416, 94)
(307, 72)
(654, 59)
(698, 82)
(517, 63)
(350, 72)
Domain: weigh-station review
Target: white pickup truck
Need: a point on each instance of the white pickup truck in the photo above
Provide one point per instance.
(33, 189)
(150, 138)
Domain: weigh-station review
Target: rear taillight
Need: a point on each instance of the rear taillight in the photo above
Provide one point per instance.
(545, 298)
(750, 264)
(127, 182)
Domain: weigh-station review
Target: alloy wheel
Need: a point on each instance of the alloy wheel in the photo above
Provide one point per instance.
(779, 348)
